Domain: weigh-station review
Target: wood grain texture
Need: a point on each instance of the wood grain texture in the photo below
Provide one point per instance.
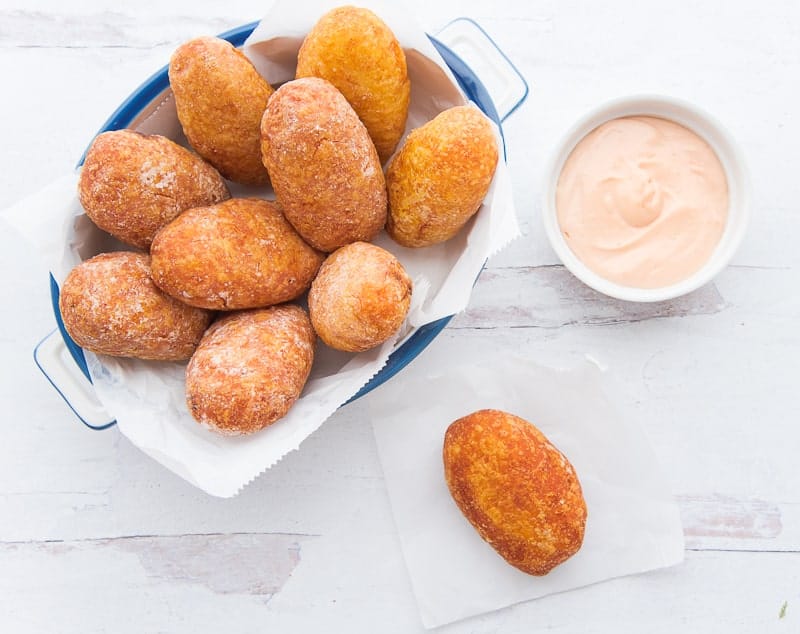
(96, 537)
(102, 587)
(551, 297)
(145, 583)
(725, 517)
(105, 29)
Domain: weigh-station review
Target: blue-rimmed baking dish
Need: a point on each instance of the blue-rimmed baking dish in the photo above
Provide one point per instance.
(62, 361)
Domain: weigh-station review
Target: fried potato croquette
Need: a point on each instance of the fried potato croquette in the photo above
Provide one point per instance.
(220, 98)
(354, 50)
(359, 298)
(239, 254)
(133, 184)
(110, 305)
(520, 493)
(440, 176)
(249, 369)
(324, 168)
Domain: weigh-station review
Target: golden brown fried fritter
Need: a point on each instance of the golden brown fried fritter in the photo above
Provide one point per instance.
(359, 298)
(239, 254)
(110, 305)
(354, 50)
(440, 176)
(133, 184)
(520, 493)
(250, 368)
(220, 98)
(324, 168)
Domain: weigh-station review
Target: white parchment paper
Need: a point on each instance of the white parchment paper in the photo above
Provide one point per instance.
(633, 523)
(147, 398)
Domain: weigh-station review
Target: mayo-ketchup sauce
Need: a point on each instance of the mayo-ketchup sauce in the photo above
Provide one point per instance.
(642, 201)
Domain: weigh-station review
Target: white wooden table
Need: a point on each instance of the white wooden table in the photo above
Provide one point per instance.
(95, 536)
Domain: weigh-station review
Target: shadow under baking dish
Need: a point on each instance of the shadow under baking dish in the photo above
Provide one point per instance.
(151, 89)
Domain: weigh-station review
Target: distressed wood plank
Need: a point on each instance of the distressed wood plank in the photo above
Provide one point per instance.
(723, 522)
(551, 297)
(106, 29)
(100, 587)
(710, 592)
(230, 583)
(152, 584)
(49, 24)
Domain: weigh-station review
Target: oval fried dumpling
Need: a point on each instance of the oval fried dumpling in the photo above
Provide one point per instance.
(353, 49)
(359, 298)
(220, 98)
(324, 168)
(440, 176)
(517, 490)
(110, 305)
(241, 253)
(250, 368)
(133, 184)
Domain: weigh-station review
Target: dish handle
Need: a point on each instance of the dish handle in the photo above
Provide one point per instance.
(58, 366)
(505, 85)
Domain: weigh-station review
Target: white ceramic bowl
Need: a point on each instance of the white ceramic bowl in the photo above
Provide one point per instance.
(699, 122)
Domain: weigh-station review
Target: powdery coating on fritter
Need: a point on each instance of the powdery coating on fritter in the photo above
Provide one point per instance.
(250, 368)
(220, 98)
(354, 50)
(241, 253)
(110, 305)
(520, 493)
(359, 298)
(324, 168)
(133, 184)
(439, 178)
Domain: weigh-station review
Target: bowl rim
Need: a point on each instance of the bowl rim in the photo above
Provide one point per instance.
(698, 121)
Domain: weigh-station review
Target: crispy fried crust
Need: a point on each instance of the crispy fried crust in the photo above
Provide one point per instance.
(110, 305)
(250, 368)
(241, 253)
(439, 178)
(354, 50)
(133, 184)
(323, 166)
(220, 98)
(359, 298)
(520, 493)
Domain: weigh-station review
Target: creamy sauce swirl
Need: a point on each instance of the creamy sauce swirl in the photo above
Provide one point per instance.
(642, 201)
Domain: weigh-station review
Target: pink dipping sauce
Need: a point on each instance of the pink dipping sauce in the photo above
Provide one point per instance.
(642, 201)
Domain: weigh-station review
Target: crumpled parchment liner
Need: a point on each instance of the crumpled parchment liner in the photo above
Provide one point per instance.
(633, 522)
(147, 398)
